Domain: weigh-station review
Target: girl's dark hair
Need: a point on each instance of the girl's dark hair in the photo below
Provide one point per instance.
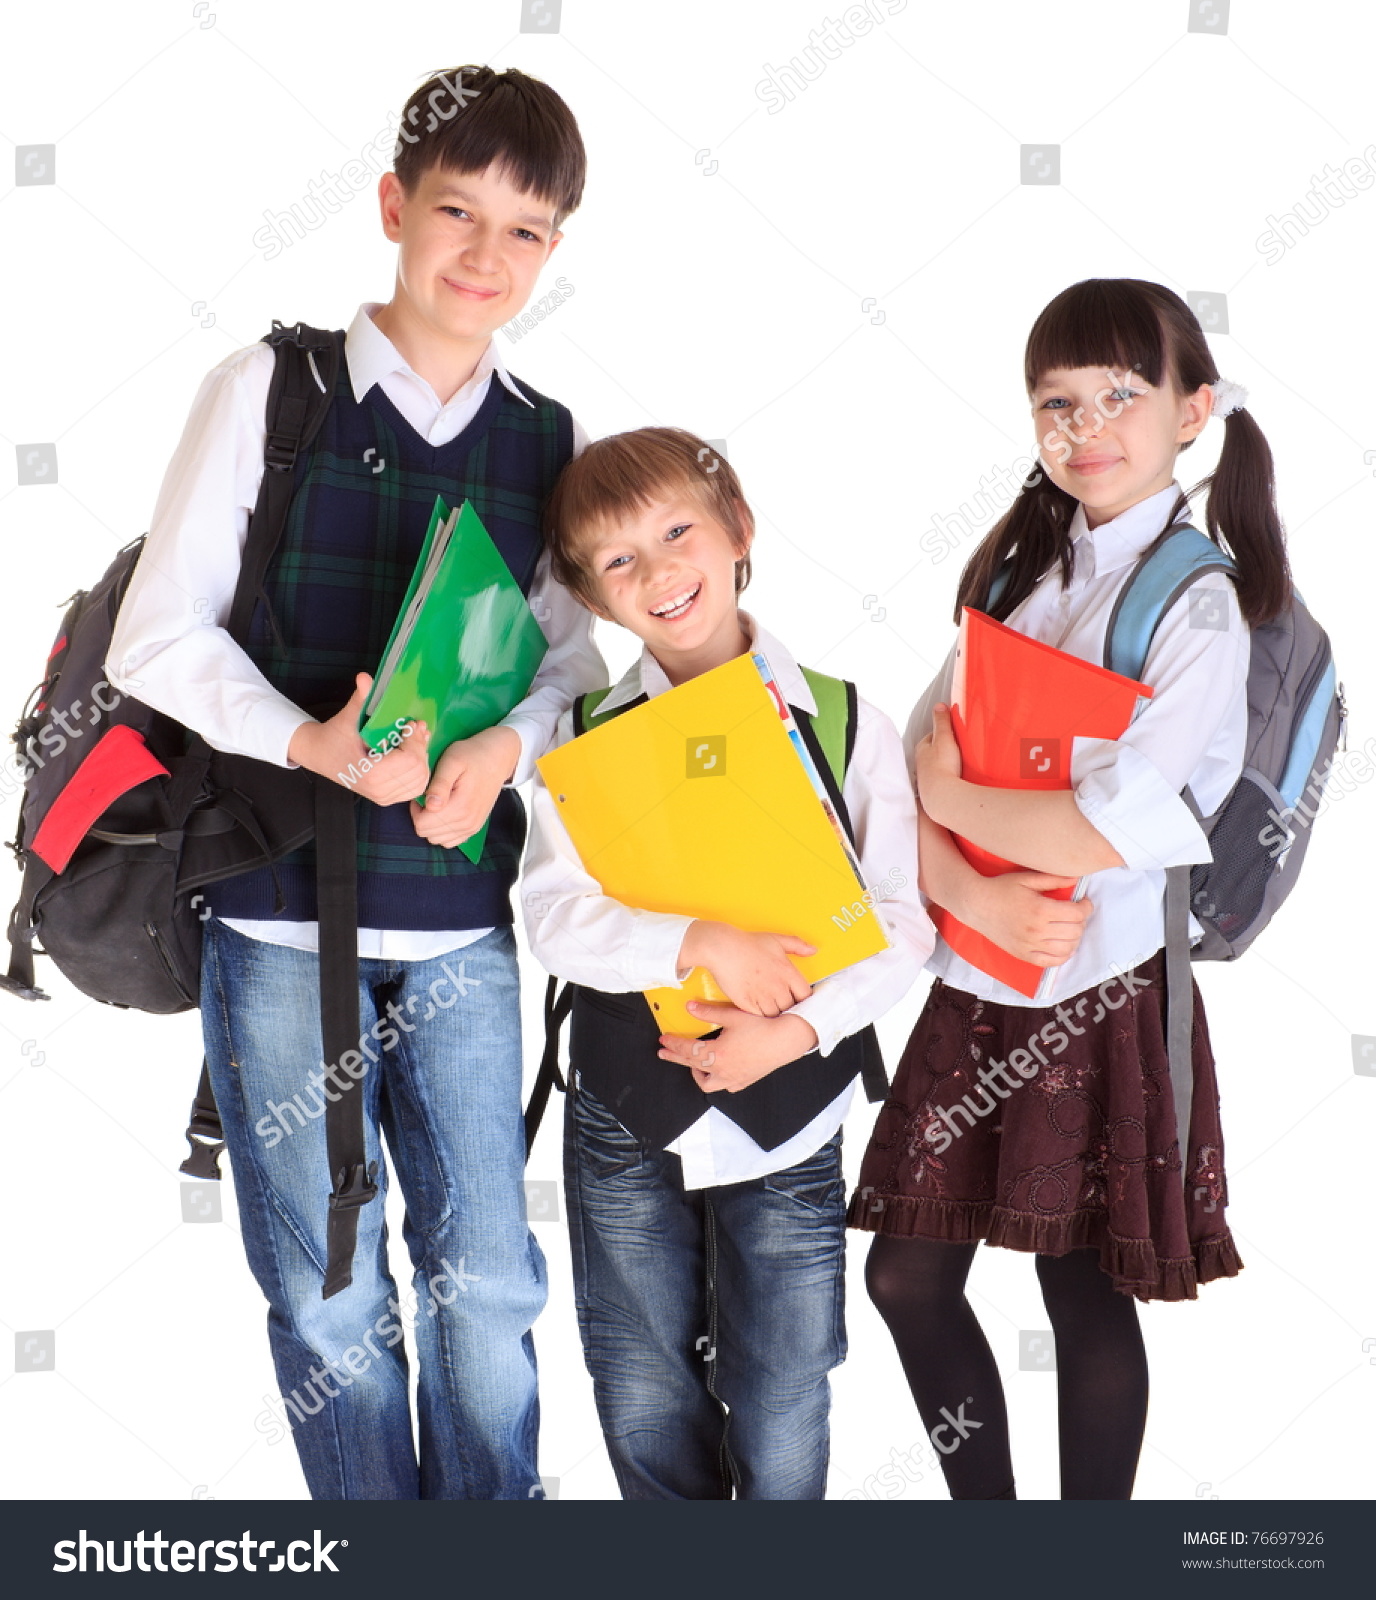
(1127, 324)
(468, 117)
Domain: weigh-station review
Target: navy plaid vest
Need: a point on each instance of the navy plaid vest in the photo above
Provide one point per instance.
(363, 496)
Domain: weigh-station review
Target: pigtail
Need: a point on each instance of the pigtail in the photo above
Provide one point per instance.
(1034, 530)
(1242, 511)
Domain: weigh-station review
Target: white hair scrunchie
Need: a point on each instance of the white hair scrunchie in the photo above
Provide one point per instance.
(1228, 397)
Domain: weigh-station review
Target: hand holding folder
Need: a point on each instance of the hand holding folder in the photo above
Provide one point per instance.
(1017, 707)
(705, 802)
(465, 647)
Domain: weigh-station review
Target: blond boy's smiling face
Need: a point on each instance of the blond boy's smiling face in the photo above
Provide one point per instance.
(668, 574)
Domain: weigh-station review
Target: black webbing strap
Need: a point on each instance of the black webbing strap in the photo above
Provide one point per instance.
(336, 881)
(303, 382)
(304, 374)
(204, 1133)
(19, 979)
(873, 1077)
(557, 1007)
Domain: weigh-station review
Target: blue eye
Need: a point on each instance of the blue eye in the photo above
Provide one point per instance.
(615, 562)
(677, 529)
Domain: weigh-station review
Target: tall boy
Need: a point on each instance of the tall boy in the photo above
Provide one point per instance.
(488, 165)
(705, 1196)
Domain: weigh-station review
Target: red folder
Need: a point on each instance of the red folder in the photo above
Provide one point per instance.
(1017, 707)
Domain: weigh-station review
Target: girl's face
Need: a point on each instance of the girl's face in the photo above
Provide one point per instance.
(1111, 438)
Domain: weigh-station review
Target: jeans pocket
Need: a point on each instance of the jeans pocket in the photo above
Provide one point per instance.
(605, 1148)
(816, 1183)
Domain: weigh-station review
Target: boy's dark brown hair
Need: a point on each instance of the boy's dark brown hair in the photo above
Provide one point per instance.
(467, 118)
(618, 476)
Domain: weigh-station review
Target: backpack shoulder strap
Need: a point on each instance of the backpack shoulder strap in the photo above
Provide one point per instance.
(587, 716)
(302, 388)
(830, 737)
(834, 723)
(999, 584)
(559, 1001)
(1163, 572)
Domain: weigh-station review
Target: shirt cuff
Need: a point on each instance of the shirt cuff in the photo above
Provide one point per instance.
(832, 1014)
(652, 950)
(274, 723)
(531, 733)
(1127, 800)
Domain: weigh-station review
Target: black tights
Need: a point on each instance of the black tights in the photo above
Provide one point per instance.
(1101, 1367)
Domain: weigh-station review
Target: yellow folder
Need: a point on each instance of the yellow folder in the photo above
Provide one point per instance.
(705, 802)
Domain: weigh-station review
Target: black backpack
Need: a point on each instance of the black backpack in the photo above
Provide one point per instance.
(126, 814)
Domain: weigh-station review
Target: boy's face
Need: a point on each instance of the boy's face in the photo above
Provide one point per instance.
(668, 574)
(471, 248)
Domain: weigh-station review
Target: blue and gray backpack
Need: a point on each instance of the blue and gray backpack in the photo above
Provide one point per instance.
(1296, 715)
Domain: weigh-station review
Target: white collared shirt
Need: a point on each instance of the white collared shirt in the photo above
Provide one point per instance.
(170, 634)
(1193, 730)
(581, 934)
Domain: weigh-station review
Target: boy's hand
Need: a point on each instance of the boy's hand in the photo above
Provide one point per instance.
(468, 778)
(1011, 910)
(753, 969)
(747, 1049)
(331, 748)
(936, 760)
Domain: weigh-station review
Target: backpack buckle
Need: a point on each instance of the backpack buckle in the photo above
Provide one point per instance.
(280, 452)
(204, 1160)
(354, 1190)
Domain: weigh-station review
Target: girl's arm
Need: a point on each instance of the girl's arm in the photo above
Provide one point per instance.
(1043, 827)
(1125, 808)
(1009, 909)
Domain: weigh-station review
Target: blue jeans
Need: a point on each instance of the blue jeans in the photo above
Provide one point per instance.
(710, 1318)
(446, 1090)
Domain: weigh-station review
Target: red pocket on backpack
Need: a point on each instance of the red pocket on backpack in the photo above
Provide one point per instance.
(119, 760)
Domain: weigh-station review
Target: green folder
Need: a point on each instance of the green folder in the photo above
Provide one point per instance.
(465, 647)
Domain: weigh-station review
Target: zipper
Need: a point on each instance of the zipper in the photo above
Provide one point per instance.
(160, 945)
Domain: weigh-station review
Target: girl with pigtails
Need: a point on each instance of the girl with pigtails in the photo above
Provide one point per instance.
(1079, 1164)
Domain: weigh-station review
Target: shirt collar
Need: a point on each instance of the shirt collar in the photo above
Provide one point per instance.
(371, 356)
(1122, 538)
(646, 676)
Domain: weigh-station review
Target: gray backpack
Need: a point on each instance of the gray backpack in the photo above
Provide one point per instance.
(1296, 715)
(1259, 834)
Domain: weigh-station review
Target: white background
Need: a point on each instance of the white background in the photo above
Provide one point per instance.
(841, 289)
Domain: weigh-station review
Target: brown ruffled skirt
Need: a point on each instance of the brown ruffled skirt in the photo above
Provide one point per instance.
(1067, 1141)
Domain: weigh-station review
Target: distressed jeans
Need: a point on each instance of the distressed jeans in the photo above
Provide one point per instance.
(442, 1081)
(710, 1318)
